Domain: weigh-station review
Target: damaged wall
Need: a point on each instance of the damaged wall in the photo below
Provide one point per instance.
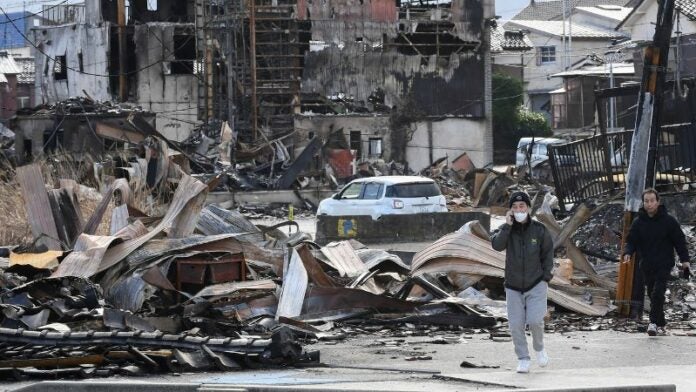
(433, 57)
(170, 88)
(453, 86)
(451, 137)
(366, 126)
(78, 62)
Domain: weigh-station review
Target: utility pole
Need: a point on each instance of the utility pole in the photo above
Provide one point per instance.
(121, 19)
(641, 168)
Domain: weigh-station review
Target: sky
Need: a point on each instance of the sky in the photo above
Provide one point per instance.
(506, 9)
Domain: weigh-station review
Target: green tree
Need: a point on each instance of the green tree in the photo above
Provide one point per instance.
(511, 120)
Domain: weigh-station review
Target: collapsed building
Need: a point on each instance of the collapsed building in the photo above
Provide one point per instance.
(404, 81)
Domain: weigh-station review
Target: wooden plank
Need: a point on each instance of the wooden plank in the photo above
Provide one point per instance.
(110, 132)
(582, 214)
(38, 206)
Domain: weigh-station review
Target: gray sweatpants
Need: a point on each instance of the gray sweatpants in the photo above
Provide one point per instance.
(523, 309)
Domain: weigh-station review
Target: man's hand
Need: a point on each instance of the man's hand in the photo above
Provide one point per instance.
(508, 217)
(627, 258)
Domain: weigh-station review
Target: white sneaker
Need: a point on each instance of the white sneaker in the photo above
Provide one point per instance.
(542, 358)
(523, 366)
(652, 329)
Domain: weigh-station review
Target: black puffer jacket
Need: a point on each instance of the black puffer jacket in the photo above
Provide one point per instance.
(528, 256)
(655, 239)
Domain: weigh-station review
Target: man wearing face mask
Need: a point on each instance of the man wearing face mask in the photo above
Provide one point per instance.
(528, 264)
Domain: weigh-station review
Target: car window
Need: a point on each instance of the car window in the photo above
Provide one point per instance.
(419, 189)
(352, 191)
(541, 149)
(372, 191)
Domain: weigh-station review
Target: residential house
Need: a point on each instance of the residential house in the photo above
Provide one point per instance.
(510, 50)
(640, 24)
(9, 71)
(588, 29)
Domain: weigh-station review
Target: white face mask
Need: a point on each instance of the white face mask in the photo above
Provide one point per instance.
(520, 216)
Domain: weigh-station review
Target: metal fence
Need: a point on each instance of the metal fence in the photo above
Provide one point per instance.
(596, 166)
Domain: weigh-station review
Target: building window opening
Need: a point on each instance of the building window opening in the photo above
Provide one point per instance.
(184, 55)
(60, 68)
(375, 147)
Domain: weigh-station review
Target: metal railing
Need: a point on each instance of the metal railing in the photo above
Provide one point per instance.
(596, 167)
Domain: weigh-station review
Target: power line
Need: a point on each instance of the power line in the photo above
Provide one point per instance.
(32, 13)
(77, 70)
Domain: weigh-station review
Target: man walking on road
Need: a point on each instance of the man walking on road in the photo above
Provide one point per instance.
(654, 235)
(528, 264)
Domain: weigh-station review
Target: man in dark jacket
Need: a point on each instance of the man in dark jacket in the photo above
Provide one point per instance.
(654, 235)
(528, 264)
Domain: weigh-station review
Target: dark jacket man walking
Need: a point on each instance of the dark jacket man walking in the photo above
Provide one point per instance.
(528, 264)
(654, 235)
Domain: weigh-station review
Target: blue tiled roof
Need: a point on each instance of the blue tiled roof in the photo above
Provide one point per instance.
(9, 36)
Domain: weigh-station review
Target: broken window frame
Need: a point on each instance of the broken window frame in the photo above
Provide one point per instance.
(375, 147)
(60, 68)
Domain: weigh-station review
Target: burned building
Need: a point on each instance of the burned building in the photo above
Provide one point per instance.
(407, 81)
(109, 52)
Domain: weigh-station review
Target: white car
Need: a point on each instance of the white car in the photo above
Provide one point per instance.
(387, 195)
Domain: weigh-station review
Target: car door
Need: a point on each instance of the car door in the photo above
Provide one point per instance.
(346, 203)
(368, 202)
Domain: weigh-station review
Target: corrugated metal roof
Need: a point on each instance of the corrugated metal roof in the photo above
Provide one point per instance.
(600, 70)
(9, 36)
(27, 65)
(616, 13)
(553, 10)
(555, 27)
(8, 64)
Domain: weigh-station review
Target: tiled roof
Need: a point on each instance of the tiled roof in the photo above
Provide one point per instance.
(618, 14)
(553, 10)
(509, 40)
(8, 65)
(687, 8)
(9, 36)
(28, 66)
(555, 28)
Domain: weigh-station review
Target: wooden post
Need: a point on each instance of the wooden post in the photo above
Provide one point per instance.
(641, 169)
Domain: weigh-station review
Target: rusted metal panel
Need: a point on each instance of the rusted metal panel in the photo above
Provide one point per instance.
(383, 10)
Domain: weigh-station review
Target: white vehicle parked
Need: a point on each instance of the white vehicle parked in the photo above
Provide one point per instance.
(539, 152)
(387, 195)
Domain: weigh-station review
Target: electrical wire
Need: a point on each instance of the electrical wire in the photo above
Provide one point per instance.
(31, 14)
(77, 70)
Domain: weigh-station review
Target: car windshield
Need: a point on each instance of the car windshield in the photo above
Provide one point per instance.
(418, 189)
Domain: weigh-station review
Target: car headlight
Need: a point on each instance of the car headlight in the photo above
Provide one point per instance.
(397, 204)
